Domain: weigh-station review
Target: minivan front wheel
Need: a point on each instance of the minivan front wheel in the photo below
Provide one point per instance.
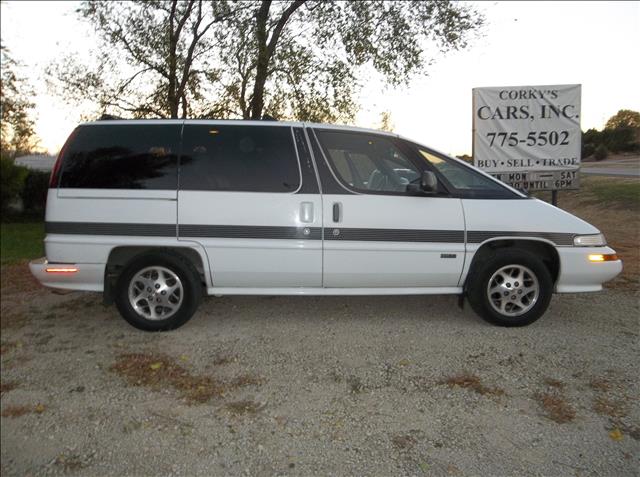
(158, 292)
(510, 288)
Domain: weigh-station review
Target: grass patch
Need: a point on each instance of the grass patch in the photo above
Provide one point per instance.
(6, 386)
(623, 193)
(160, 371)
(222, 359)
(556, 407)
(472, 382)
(600, 384)
(403, 441)
(70, 463)
(21, 241)
(243, 407)
(355, 385)
(554, 383)
(245, 380)
(17, 411)
(609, 407)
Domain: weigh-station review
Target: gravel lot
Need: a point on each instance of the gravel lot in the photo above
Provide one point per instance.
(318, 385)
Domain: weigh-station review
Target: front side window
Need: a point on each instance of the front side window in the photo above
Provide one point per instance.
(123, 156)
(238, 158)
(368, 163)
(465, 179)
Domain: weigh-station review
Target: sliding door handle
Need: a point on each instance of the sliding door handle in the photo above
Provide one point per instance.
(306, 212)
(337, 211)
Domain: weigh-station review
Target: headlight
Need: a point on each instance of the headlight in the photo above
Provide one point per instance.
(596, 240)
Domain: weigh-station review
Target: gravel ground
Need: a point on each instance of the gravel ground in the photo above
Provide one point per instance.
(317, 386)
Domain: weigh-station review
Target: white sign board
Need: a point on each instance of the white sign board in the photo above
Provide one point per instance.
(528, 136)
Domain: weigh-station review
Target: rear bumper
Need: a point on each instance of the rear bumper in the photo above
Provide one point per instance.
(578, 274)
(88, 276)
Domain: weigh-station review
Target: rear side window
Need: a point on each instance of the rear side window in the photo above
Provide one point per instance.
(239, 158)
(136, 156)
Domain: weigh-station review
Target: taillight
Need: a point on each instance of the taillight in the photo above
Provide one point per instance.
(55, 172)
(61, 269)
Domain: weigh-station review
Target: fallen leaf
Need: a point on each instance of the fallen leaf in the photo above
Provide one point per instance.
(155, 366)
(404, 362)
(40, 408)
(615, 434)
(184, 357)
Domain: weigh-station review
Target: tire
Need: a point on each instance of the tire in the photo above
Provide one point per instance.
(150, 275)
(500, 272)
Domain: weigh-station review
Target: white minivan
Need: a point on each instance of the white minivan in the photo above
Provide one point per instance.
(157, 213)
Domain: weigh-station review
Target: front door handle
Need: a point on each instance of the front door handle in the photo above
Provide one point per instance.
(337, 211)
(306, 212)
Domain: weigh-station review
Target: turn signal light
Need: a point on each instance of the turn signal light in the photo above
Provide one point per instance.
(600, 257)
(61, 269)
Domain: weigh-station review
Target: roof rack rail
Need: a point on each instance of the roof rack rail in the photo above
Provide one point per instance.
(108, 117)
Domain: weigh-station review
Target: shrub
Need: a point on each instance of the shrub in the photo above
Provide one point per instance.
(591, 136)
(601, 152)
(619, 139)
(588, 150)
(34, 194)
(12, 179)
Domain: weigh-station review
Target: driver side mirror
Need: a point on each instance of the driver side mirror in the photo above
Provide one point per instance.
(428, 185)
(428, 182)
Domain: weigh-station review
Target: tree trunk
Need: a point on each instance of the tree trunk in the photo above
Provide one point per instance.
(172, 99)
(262, 65)
(266, 50)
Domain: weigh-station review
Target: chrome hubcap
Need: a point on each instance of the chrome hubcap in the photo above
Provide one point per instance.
(155, 293)
(513, 290)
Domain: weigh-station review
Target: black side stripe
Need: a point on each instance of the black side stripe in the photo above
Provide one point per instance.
(250, 231)
(308, 233)
(558, 238)
(103, 228)
(394, 235)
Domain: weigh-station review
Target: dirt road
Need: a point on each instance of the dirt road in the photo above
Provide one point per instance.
(317, 386)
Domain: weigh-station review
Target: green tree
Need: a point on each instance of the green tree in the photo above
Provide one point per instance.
(625, 118)
(290, 58)
(301, 59)
(17, 134)
(12, 179)
(151, 58)
(386, 124)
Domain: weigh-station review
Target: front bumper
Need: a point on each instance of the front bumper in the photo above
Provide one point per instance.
(88, 276)
(578, 274)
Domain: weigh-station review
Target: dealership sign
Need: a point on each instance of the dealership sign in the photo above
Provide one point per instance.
(528, 136)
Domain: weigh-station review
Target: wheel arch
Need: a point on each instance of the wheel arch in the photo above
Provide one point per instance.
(541, 248)
(120, 256)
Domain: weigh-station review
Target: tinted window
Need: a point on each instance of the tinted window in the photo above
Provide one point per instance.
(368, 163)
(460, 176)
(124, 156)
(239, 158)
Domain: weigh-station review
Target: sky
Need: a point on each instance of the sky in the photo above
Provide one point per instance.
(523, 43)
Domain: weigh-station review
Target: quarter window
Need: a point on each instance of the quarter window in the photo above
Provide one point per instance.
(124, 156)
(239, 158)
(368, 163)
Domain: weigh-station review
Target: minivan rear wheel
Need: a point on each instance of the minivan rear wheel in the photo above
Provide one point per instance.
(510, 288)
(158, 292)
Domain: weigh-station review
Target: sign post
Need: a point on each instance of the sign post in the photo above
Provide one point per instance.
(529, 136)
